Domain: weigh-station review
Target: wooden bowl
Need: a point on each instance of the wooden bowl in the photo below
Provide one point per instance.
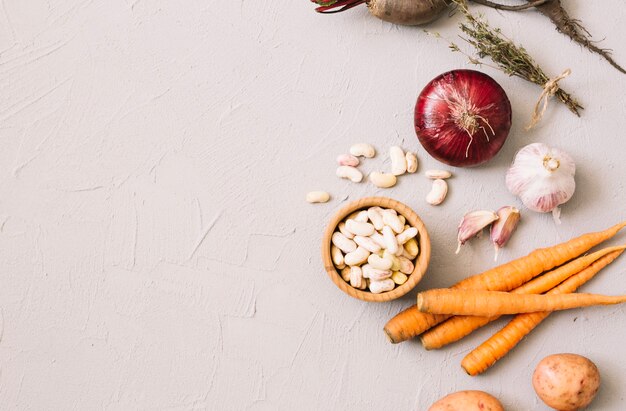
(420, 262)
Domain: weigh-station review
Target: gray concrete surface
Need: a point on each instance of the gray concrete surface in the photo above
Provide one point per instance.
(156, 251)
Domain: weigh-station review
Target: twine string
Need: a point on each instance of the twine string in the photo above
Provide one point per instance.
(549, 89)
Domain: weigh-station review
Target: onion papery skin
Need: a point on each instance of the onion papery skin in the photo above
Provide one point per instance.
(440, 111)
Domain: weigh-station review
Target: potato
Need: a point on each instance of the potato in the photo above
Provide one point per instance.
(467, 401)
(566, 382)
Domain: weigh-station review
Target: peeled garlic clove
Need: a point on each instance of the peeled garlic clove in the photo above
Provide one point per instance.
(473, 223)
(542, 177)
(503, 227)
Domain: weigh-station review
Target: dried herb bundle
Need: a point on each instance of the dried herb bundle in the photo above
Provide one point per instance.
(512, 59)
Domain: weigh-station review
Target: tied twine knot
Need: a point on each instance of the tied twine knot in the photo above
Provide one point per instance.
(549, 89)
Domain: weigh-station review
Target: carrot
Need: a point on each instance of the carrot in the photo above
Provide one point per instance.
(496, 347)
(491, 303)
(411, 322)
(459, 326)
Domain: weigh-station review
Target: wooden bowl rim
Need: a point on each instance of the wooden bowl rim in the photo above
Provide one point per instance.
(421, 263)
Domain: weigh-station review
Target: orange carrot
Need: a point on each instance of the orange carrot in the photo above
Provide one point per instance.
(459, 326)
(411, 322)
(491, 303)
(496, 347)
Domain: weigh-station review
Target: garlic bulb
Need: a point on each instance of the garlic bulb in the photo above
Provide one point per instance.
(542, 177)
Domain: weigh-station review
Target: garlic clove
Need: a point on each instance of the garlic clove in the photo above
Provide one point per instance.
(503, 227)
(473, 223)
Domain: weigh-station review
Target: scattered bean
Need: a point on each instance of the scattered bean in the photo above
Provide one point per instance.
(438, 174)
(344, 244)
(378, 287)
(411, 162)
(347, 160)
(356, 257)
(383, 180)
(398, 161)
(360, 228)
(438, 192)
(363, 150)
(317, 197)
(350, 173)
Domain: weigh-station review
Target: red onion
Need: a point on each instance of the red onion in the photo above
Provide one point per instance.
(462, 117)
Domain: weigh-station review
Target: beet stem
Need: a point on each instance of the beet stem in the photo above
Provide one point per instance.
(339, 6)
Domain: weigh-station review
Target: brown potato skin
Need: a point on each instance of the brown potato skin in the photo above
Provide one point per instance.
(467, 401)
(566, 382)
(407, 12)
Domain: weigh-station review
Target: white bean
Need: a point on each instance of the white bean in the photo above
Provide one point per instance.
(406, 235)
(393, 221)
(406, 265)
(378, 275)
(376, 217)
(365, 269)
(337, 256)
(317, 197)
(344, 230)
(399, 278)
(380, 263)
(345, 273)
(356, 277)
(438, 192)
(359, 228)
(402, 219)
(398, 161)
(377, 287)
(374, 273)
(400, 251)
(411, 249)
(367, 243)
(362, 217)
(379, 239)
(411, 162)
(350, 173)
(357, 257)
(347, 160)
(363, 150)
(395, 263)
(364, 284)
(383, 180)
(390, 239)
(344, 244)
(438, 174)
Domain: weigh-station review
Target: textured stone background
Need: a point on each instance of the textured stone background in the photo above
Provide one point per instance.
(156, 251)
